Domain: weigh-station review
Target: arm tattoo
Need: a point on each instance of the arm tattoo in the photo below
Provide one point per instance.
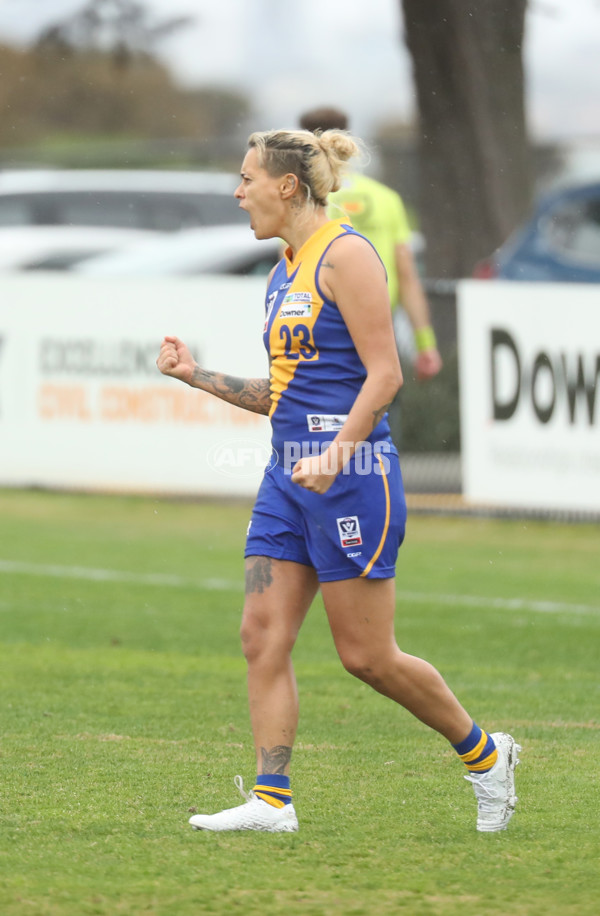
(276, 759)
(328, 264)
(258, 574)
(378, 414)
(250, 393)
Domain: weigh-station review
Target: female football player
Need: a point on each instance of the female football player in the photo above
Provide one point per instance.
(330, 512)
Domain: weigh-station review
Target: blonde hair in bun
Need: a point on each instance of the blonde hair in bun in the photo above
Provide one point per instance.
(319, 160)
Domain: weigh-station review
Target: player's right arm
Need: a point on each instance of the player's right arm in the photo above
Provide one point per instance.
(176, 361)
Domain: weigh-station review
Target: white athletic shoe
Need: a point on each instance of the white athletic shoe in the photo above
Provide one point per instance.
(495, 790)
(254, 814)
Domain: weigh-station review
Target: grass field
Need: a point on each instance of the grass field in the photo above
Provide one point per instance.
(123, 701)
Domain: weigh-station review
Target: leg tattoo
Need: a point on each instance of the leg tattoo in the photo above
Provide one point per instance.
(258, 575)
(275, 759)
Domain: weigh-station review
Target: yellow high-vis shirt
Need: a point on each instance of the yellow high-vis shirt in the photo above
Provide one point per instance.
(377, 212)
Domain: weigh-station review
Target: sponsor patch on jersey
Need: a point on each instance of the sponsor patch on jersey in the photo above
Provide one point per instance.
(296, 305)
(325, 423)
(349, 531)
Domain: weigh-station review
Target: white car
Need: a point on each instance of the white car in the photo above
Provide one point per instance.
(60, 247)
(211, 249)
(160, 200)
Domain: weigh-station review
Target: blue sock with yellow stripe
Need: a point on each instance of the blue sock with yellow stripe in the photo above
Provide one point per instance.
(273, 789)
(478, 751)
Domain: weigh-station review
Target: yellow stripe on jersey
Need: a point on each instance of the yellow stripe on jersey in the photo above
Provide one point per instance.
(386, 524)
(291, 337)
(283, 370)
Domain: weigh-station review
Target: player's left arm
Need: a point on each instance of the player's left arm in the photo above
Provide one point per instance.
(353, 276)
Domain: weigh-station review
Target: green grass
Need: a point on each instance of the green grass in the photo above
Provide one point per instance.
(123, 700)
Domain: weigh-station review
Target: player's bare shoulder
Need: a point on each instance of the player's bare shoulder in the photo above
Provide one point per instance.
(348, 256)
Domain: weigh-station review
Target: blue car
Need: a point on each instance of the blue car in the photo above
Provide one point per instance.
(561, 242)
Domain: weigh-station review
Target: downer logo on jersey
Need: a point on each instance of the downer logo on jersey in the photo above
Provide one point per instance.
(349, 531)
(296, 305)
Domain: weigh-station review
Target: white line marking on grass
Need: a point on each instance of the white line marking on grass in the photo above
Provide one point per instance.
(115, 575)
(503, 604)
(173, 581)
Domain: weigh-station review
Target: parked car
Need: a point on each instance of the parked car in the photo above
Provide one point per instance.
(165, 201)
(560, 242)
(210, 249)
(60, 247)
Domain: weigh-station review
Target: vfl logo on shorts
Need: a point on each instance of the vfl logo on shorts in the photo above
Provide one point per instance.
(349, 531)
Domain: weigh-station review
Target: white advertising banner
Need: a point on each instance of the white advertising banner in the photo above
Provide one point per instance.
(82, 404)
(529, 357)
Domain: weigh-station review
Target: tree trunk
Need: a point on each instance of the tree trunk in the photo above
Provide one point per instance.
(475, 169)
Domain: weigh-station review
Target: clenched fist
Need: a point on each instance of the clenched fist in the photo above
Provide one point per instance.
(176, 360)
(316, 472)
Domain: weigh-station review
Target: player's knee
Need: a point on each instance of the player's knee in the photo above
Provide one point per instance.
(263, 641)
(250, 636)
(358, 663)
(373, 667)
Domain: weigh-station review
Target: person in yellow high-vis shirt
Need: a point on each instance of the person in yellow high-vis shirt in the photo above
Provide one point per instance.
(378, 213)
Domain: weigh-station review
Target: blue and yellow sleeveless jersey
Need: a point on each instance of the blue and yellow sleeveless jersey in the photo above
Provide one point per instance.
(316, 373)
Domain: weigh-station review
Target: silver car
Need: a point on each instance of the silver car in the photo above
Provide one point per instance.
(163, 201)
